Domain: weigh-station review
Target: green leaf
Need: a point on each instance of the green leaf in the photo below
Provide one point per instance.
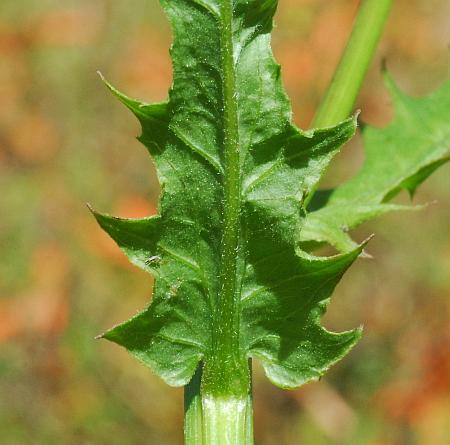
(231, 282)
(284, 297)
(400, 156)
(136, 237)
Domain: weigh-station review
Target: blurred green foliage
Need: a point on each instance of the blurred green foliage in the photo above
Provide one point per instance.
(64, 141)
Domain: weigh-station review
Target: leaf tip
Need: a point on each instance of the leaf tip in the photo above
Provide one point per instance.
(131, 104)
(113, 90)
(103, 79)
(364, 244)
(90, 208)
(367, 240)
(97, 215)
(355, 119)
(357, 335)
(108, 334)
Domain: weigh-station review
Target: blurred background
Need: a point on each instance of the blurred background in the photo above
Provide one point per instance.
(65, 141)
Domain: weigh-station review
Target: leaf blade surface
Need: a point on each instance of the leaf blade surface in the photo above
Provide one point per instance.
(398, 157)
(235, 174)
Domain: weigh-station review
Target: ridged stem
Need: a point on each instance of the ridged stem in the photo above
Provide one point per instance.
(216, 420)
(193, 413)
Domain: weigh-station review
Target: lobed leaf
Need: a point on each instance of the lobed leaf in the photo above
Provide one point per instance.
(398, 157)
(235, 175)
(281, 293)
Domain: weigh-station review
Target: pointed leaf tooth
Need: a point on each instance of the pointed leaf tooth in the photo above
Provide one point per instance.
(327, 143)
(413, 182)
(228, 112)
(283, 328)
(137, 238)
(399, 156)
(135, 106)
(175, 362)
(152, 117)
(332, 345)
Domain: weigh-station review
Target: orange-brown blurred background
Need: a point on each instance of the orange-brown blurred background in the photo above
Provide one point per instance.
(65, 141)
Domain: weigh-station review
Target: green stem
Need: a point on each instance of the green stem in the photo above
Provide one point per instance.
(216, 420)
(225, 421)
(348, 78)
(193, 413)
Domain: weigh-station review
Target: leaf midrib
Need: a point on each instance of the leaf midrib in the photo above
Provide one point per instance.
(225, 345)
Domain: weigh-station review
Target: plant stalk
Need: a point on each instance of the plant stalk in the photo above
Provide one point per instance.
(216, 420)
(193, 414)
(352, 69)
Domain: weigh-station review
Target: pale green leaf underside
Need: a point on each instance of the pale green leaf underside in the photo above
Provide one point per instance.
(400, 156)
(282, 292)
